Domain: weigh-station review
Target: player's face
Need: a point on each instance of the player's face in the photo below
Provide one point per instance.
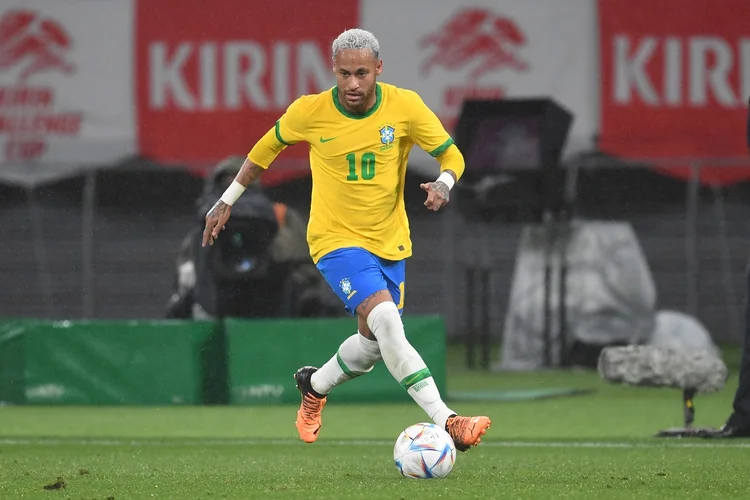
(356, 72)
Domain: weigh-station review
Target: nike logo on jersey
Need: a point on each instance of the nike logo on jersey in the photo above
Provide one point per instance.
(326, 140)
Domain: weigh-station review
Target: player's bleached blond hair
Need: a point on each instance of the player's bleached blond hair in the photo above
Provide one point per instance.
(356, 39)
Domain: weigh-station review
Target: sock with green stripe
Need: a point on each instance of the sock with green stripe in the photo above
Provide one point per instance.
(356, 355)
(405, 363)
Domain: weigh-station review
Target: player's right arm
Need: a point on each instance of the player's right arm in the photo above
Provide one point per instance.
(289, 129)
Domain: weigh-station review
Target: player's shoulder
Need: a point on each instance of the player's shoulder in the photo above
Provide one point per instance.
(309, 102)
(399, 93)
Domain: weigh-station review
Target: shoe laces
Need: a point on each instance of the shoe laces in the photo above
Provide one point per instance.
(311, 407)
(458, 426)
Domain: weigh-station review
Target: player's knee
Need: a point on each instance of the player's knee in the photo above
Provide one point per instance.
(364, 330)
(385, 323)
(371, 348)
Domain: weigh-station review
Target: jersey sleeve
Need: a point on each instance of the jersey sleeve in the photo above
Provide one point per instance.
(289, 129)
(425, 128)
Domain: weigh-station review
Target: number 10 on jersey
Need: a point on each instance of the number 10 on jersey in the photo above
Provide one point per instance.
(365, 166)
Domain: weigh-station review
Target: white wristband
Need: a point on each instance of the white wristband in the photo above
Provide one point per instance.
(233, 192)
(447, 179)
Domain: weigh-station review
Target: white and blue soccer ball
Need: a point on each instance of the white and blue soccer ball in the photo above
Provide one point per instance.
(424, 451)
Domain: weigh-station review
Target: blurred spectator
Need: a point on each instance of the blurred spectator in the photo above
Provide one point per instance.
(260, 265)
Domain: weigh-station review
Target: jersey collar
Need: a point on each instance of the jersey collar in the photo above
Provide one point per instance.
(343, 111)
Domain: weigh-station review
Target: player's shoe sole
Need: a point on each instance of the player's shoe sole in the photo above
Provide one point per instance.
(467, 431)
(309, 418)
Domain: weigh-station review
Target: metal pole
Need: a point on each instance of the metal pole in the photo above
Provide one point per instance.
(562, 302)
(485, 335)
(548, 238)
(566, 217)
(470, 330)
(87, 243)
(731, 301)
(43, 275)
(448, 242)
(691, 238)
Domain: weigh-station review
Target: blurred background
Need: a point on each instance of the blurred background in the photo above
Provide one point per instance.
(605, 198)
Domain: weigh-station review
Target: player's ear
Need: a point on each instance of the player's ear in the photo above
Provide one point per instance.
(379, 67)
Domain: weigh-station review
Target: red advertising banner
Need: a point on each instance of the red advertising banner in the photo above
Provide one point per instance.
(675, 80)
(213, 77)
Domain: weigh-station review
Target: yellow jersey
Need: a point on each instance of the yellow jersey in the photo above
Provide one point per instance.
(358, 165)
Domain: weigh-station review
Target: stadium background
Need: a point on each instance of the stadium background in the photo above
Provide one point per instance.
(57, 263)
(111, 114)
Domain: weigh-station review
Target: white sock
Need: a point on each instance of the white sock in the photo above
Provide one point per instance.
(405, 363)
(356, 355)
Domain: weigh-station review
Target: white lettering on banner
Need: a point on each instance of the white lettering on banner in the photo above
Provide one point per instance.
(167, 75)
(247, 74)
(717, 77)
(208, 69)
(673, 69)
(711, 64)
(633, 71)
(248, 80)
(281, 55)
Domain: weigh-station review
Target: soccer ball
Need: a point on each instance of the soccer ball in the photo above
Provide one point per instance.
(424, 451)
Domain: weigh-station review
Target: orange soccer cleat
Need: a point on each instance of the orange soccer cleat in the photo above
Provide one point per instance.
(467, 431)
(309, 419)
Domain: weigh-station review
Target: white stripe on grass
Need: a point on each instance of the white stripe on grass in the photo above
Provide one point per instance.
(656, 443)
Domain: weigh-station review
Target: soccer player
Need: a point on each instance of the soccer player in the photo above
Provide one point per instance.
(360, 134)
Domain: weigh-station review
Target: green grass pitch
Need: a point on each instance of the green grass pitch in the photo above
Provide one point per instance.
(593, 446)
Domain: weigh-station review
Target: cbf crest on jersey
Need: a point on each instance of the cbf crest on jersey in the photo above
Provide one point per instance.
(346, 286)
(387, 136)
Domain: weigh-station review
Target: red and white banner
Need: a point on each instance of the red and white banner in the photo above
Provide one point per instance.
(675, 79)
(212, 80)
(66, 96)
(448, 51)
(87, 82)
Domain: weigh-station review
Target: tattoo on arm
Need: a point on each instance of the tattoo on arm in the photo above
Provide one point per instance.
(248, 173)
(217, 210)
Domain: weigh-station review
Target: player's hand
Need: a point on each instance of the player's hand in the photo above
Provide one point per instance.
(437, 195)
(216, 218)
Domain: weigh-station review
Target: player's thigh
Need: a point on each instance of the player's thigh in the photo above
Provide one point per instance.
(354, 275)
(395, 277)
(366, 306)
(394, 273)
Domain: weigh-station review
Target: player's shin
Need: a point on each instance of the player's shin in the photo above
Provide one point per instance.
(356, 355)
(405, 363)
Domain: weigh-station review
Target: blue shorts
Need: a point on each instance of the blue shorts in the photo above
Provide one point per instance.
(355, 274)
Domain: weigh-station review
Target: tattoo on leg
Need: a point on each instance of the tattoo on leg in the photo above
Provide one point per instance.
(365, 303)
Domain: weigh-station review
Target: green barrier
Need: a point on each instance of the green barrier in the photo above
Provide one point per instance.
(186, 362)
(12, 362)
(264, 354)
(108, 362)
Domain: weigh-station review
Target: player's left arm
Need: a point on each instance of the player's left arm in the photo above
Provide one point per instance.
(429, 134)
